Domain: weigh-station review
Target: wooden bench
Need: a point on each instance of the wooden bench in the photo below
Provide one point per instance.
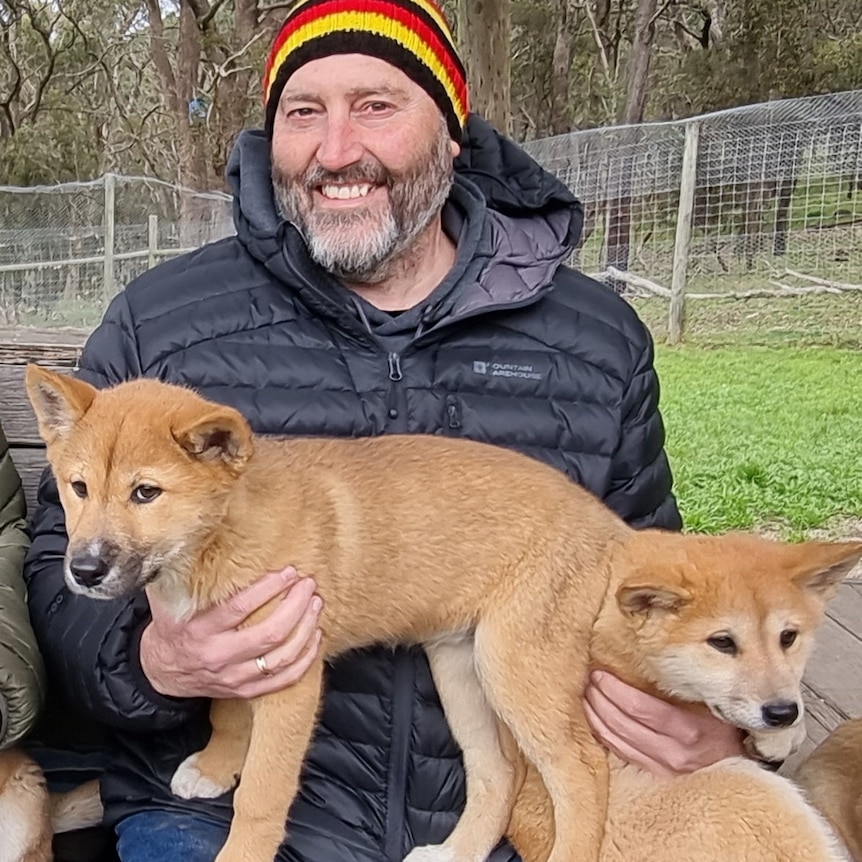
(60, 351)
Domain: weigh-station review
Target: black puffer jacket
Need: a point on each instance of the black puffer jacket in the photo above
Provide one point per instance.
(513, 349)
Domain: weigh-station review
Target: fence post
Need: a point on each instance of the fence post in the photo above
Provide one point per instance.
(109, 225)
(682, 243)
(152, 239)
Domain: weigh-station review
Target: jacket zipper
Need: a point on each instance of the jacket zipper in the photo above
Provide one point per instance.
(397, 400)
(403, 681)
(403, 678)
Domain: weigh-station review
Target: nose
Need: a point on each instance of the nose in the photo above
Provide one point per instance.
(340, 147)
(780, 714)
(89, 569)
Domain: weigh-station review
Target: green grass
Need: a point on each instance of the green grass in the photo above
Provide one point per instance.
(764, 438)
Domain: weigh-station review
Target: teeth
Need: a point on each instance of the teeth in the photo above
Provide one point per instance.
(345, 193)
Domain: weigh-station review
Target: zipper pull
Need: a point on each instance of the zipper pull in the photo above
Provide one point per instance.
(394, 367)
(453, 409)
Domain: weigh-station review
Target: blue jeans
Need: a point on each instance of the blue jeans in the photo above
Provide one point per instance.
(174, 836)
(168, 836)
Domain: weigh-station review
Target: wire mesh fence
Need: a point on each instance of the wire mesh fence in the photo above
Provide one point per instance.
(756, 201)
(769, 202)
(66, 249)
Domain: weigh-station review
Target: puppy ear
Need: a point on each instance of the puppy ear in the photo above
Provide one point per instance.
(220, 435)
(640, 599)
(59, 401)
(820, 567)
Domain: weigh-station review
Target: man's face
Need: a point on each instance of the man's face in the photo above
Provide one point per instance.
(361, 162)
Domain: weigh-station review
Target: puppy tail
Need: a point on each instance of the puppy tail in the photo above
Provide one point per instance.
(76, 809)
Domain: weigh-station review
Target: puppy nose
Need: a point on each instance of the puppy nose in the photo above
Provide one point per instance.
(88, 569)
(781, 714)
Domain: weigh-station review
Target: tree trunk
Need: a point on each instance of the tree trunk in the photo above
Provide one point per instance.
(484, 34)
(561, 113)
(637, 86)
(618, 241)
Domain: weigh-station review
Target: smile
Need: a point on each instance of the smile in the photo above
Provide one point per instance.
(344, 193)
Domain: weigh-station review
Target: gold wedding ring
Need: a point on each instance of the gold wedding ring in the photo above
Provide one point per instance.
(260, 661)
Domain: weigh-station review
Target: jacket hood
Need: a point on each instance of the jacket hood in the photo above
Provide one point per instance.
(522, 221)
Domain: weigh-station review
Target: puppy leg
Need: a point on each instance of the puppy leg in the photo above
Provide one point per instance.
(545, 714)
(282, 725)
(491, 774)
(25, 810)
(216, 769)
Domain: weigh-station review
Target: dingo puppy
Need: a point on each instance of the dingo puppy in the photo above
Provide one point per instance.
(30, 814)
(728, 623)
(497, 564)
(832, 779)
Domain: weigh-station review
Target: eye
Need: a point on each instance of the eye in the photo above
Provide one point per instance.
(302, 112)
(80, 488)
(788, 638)
(376, 107)
(145, 493)
(724, 644)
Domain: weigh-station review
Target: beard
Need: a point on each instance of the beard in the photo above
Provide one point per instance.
(363, 244)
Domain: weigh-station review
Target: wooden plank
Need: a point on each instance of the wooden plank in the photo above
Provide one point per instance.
(30, 462)
(57, 354)
(833, 667)
(846, 608)
(16, 414)
(820, 719)
(22, 344)
(56, 335)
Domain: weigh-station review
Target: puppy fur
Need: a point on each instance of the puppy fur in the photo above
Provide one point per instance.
(502, 568)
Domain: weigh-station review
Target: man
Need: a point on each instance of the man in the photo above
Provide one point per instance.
(370, 289)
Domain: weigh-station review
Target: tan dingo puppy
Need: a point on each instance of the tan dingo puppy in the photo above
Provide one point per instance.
(496, 563)
(727, 623)
(30, 814)
(832, 779)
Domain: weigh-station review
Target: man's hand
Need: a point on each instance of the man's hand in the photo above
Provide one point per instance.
(208, 655)
(656, 735)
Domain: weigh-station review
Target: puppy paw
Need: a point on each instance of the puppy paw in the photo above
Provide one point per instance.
(430, 853)
(190, 783)
(775, 745)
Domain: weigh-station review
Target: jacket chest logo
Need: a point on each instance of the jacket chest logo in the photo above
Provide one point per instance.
(507, 369)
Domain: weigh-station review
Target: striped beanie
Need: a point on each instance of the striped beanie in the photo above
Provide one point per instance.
(410, 34)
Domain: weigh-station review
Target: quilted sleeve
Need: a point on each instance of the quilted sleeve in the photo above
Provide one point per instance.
(641, 482)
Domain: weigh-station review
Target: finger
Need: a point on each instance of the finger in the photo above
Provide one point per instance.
(620, 722)
(294, 672)
(651, 711)
(299, 639)
(620, 747)
(268, 634)
(238, 608)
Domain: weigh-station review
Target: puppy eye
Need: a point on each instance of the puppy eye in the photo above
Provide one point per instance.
(80, 488)
(145, 493)
(788, 638)
(723, 643)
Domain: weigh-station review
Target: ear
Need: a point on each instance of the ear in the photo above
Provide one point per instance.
(59, 401)
(644, 599)
(821, 566)
(220, 435)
